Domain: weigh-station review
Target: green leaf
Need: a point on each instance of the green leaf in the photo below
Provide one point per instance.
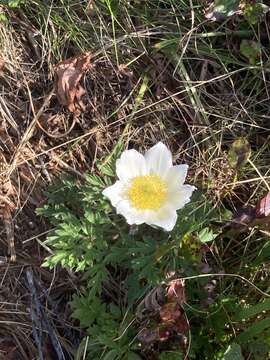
(111, 355)
(107, 166)
(253, 310)
(171, 355)
(87, 309)
(94, 180)
(233, 353)
(259, 349)
(239, 153)
(133, 356)
(251, 50)
(113, 6)
(3, 18)
(254, 330)
(253, 12)
(15, 3)
(58, 256)
(206, 235)
(144, 87)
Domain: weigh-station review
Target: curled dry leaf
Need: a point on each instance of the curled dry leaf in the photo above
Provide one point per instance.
(249, 216)
(68, 88)
(162, 310)
(152, 302)
(173, 321)
(176, 291)
(243, 217)
(172, 312)
(171, 294)
(90, 8)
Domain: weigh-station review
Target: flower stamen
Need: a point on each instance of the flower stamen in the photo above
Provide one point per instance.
(147, 192)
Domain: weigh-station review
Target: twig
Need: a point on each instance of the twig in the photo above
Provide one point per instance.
(36, 315)
(41, 320)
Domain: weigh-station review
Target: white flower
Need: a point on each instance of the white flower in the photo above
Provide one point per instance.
(150, 189)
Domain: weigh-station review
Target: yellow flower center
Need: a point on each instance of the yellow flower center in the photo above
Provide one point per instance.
(147, 192)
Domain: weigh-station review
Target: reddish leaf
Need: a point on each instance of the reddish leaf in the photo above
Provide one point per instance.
(249, 216)
(164, 333)
(68, 89)
(170, 312)
(182, 325)
(171, 319)
(263, 206)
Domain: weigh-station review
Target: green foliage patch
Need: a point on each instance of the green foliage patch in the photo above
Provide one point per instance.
(121, 264)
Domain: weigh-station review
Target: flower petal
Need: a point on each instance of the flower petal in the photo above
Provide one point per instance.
(132, 216)
(158, 159)
(114, 193)
(130, 165)
(180, 197)
(176, 175)
(165, 219)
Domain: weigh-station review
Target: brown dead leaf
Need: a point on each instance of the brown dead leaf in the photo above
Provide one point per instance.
(2, 64)
(68, 88)
(9, 226)
(124, 70)
(6, 208)
(170, 312)
(90, 8)
(162, 310)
